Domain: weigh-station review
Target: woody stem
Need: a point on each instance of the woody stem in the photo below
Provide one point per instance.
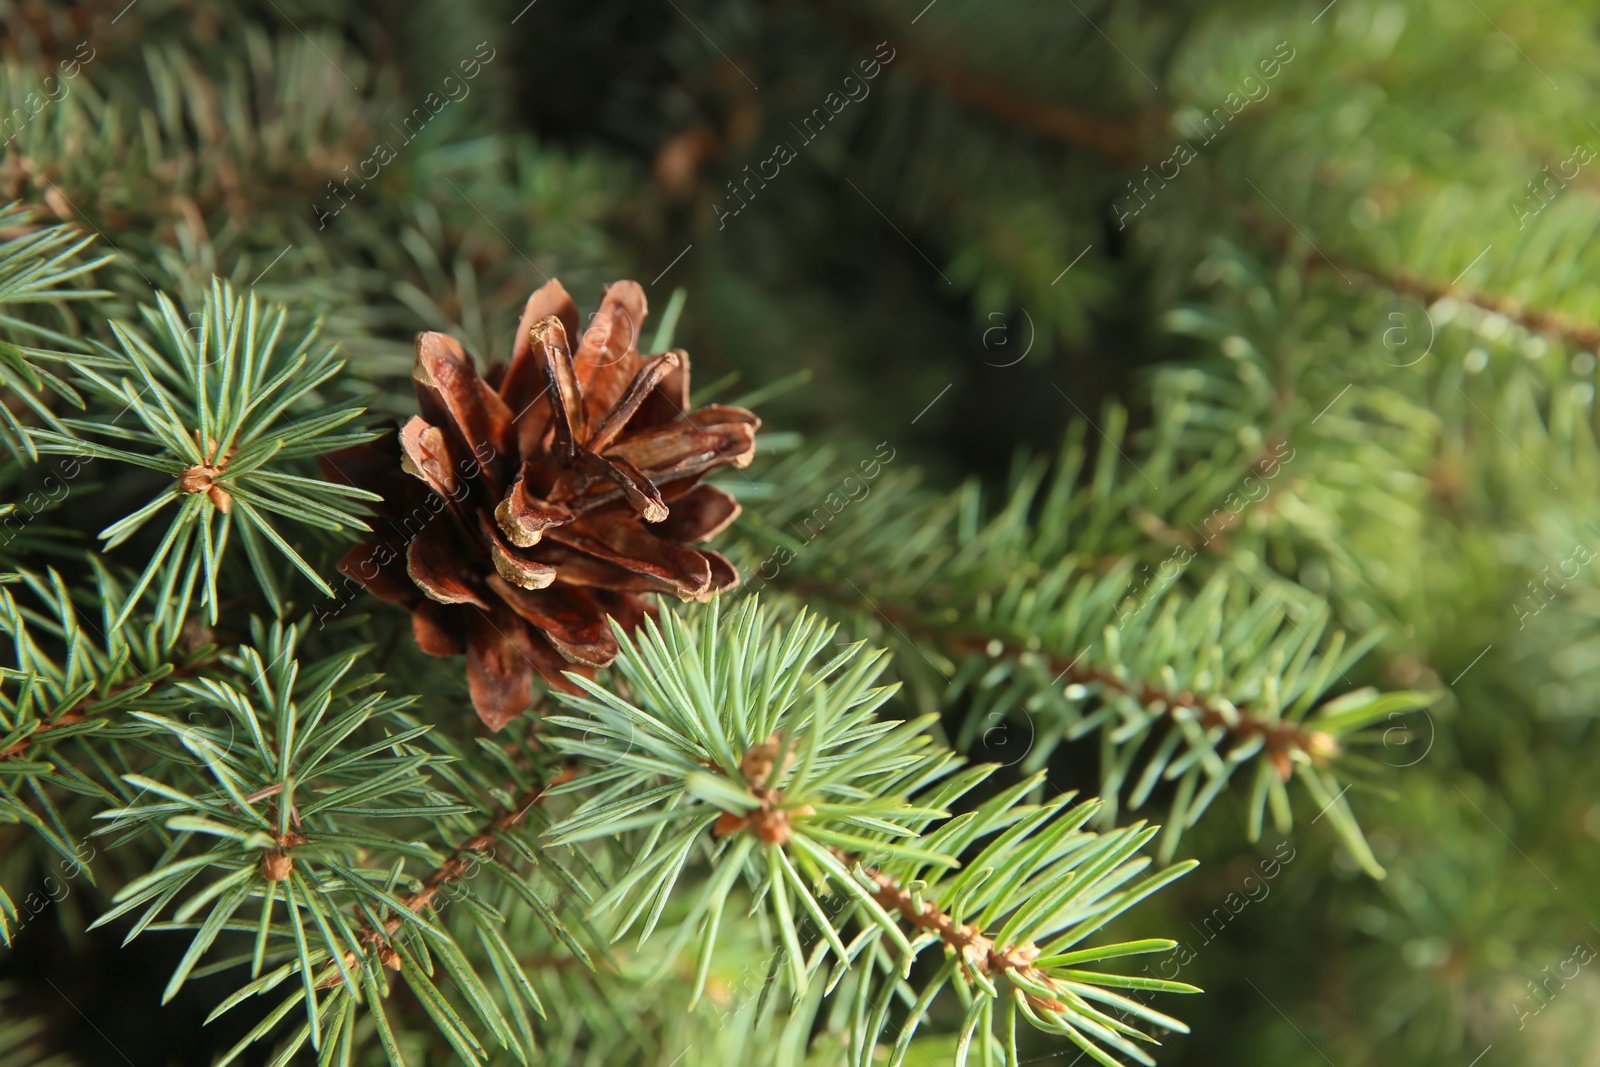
(460, 861)
(974, 950)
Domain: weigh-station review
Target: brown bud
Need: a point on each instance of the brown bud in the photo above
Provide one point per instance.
(771, 825)
(58, 203)
(195, 635)
(389, 958)
(729, 823)
(758, 761)
(196, 478)
(680, 158)
(275, 866)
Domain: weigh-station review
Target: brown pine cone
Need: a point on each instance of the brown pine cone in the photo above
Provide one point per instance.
(524, 506)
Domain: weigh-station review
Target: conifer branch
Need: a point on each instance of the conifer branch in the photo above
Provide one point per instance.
(1240, 725)
(1574, 334)
(792, 776)
(86, 709)
(1119, 140)
(966, 941)
(1017, 616)
(460, 862)
(37, 265)
(222, 412)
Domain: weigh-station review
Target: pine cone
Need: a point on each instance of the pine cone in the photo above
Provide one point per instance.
(524, 506)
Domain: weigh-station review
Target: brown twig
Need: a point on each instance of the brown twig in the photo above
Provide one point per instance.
(1118, 142)
(79, 713)
(975, 951)
(1121, 141)
(1428, 291)
(1281, 738)
(1573, 334)
(460, 861)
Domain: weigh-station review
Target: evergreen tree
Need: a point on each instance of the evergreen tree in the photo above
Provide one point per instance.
(1127, 532)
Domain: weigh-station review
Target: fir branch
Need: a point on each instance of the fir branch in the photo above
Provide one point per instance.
(1574, 334)
(37, 265)
(325, 756)
(225, 411)
(462, 859)
(803, 778)
(61, 685)
(983, 955)
(976, 951)
(1239, 725)
(1120, 140)
(1032, 613)
(104, 704)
